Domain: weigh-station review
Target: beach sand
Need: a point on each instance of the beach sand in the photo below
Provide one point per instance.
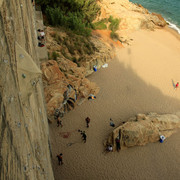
(139, 80)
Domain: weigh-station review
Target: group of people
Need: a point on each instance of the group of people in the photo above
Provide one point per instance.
(41, 38)
(83, 133)
(109, 147)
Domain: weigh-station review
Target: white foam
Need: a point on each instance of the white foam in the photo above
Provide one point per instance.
(173, 26)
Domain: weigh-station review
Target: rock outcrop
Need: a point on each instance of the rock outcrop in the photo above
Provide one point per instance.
(132, 16)
(64, 79)
(143, 129)
(85, 52)
(65, 85)
(24, 140)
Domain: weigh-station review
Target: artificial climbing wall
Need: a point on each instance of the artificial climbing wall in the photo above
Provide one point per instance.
(24, 138)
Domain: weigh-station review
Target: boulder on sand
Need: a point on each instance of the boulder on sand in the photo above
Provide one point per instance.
(144, 129)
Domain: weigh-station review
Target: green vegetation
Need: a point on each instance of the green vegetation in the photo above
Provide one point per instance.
(100, 24)
(114, 26)
(74, 47)
(76, 15)
(114, 35)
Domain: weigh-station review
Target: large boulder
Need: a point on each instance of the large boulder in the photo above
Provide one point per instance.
(144, 129)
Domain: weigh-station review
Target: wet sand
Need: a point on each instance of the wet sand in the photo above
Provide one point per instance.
(139, 80)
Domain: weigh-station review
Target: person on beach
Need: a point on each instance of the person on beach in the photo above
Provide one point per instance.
(112, 123)
(109, 148)
(87, 121)
(40, 44)
(118, 144)
(177, 85)
(59, 156)
(91, 96)
(84, 136)
(41, 32)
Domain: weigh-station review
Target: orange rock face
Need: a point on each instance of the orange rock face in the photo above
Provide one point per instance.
(66, 87)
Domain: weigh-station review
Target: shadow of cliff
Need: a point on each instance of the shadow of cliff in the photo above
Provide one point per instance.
(122, 95)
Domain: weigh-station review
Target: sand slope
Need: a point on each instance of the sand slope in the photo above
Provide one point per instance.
(139, 80)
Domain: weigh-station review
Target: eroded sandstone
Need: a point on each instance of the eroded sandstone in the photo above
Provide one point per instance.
(24, 140)
(143, 129)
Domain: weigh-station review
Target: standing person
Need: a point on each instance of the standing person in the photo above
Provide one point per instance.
(87, 121)
(177, 85)
(84, 136)
(118, 144)
(59, 156)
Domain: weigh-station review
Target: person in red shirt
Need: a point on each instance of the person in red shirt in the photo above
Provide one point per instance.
(177, 85)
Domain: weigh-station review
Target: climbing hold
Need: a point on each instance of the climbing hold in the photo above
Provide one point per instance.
(25, 168)
(33, 83)
(5, 61)
(21, 56)
(23, 75)
(11, 99)
(19, 124)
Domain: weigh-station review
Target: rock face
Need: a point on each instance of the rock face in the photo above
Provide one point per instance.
(144, 129)
(65, 85)
(24, 140)
(85, 52)
(65, 82)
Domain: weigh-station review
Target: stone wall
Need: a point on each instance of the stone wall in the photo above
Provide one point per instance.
(24, 139)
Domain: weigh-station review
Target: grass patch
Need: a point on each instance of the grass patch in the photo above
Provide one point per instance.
(100, 24)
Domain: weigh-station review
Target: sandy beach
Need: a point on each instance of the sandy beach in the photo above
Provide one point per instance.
(139, 80)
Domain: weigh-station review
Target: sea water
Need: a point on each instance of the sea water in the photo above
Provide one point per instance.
(169, 9)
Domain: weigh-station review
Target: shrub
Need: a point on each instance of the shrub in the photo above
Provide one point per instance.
(114, 35)
(114, 26)
(74, 14)
(72, 21)
(100, 24)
